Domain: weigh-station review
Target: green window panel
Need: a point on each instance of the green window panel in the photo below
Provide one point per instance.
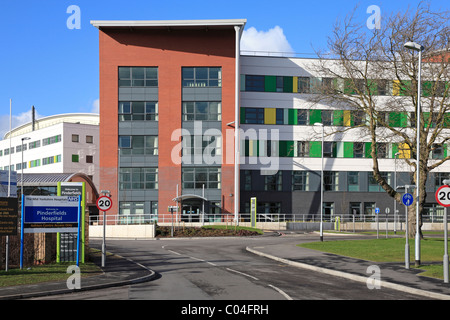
(286, 149)
(242, 82)
(394, 119)
(315, 149)
(394, 150)
(288, 84)
(242, 120)
(368, 150)
(427, 88)
(270, 84)
(348, 149)
(315, 116)
(338, 118)
(446, 122)
(292, 116)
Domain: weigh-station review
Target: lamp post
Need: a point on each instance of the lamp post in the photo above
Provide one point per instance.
(321, 186)
(22, 196)
(419, 48)
(395, 186)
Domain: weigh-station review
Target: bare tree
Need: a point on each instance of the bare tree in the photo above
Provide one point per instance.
(371, 74)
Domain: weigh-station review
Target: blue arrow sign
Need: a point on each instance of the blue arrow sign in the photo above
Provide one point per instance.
(377, 210)
(407, 199)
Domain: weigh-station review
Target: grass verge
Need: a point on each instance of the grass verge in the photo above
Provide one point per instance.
(45, 273)
(387, 250)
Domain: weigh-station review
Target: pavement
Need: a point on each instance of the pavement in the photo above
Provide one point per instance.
(120, 271)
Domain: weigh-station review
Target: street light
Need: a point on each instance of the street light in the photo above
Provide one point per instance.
(395, 186)
(23, 198)
(321, 186)
(419, 48)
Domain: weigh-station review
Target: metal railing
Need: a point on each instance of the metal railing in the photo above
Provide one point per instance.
(245, 217)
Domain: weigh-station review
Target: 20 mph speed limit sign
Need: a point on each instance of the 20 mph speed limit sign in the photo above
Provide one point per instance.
(443, 196)
(104, 203)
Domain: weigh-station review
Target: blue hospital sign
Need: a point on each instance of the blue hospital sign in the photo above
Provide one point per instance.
(51, 214)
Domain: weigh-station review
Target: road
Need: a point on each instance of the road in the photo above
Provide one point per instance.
(222, 269)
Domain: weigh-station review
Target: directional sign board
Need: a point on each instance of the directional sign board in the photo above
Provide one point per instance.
(377, 210)
(407, 199)
(443, 196)
(104, 203)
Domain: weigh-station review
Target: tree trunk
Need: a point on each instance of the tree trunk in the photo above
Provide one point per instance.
(412, 222)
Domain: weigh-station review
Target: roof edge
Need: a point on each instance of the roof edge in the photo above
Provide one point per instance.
(167, 23)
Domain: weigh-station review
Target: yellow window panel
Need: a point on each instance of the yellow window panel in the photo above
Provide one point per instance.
(295, 84)
(405, 151)
(270, 116)
(347, 118)
(396, 87)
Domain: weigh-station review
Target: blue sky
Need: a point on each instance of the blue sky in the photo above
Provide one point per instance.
(54, 68)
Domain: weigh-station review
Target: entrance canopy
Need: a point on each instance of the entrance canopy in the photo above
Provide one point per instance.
(189, 197)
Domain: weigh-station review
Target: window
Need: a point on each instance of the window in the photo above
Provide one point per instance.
(202, 77)
(355, 208)
(52, 140)
(138, 178)
(201, 149)
(19, 148)
(279, 116)
(353, 180)
(369, 208)
(328, 209)
(358, 150)
(35, 163)
(273, 182)
(330, 181)
(247, 180)
(34, 144)
(269, 207)
(302, 149)
(300, 180)
(279, 84)
(138, 111)
(138, 77)
(196, 177)
(327, 117)
(304, 85)
(254, 83)
(373, 184)
(139, 145)
(437, 151)
(359, 118)
(89, 139)
(382, 150)
(329, 149)
(89, 159)
(254, 115)
(75, 158)
(75, 138)
(439, 178)
(302, 117)
(202, 110)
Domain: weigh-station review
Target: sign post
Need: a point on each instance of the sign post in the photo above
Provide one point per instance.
(407, 200)
(377, 212)
(104, 203)
(443, 198)
(253, 212)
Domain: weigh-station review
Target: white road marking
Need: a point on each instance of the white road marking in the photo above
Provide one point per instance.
(284, 294)
(241, 273)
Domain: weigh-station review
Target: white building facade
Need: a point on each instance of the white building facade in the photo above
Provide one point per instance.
(275, 104)
(66, 143)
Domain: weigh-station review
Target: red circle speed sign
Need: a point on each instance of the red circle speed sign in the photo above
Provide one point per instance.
(443, 196)
(104, 203)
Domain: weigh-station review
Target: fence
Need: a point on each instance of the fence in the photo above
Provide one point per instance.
(245, 217)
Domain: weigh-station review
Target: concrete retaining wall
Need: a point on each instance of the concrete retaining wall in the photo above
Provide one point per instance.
(123, 231)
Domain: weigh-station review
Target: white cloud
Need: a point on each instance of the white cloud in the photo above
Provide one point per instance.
(272, 42)
(96, 106)
(17, 120)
